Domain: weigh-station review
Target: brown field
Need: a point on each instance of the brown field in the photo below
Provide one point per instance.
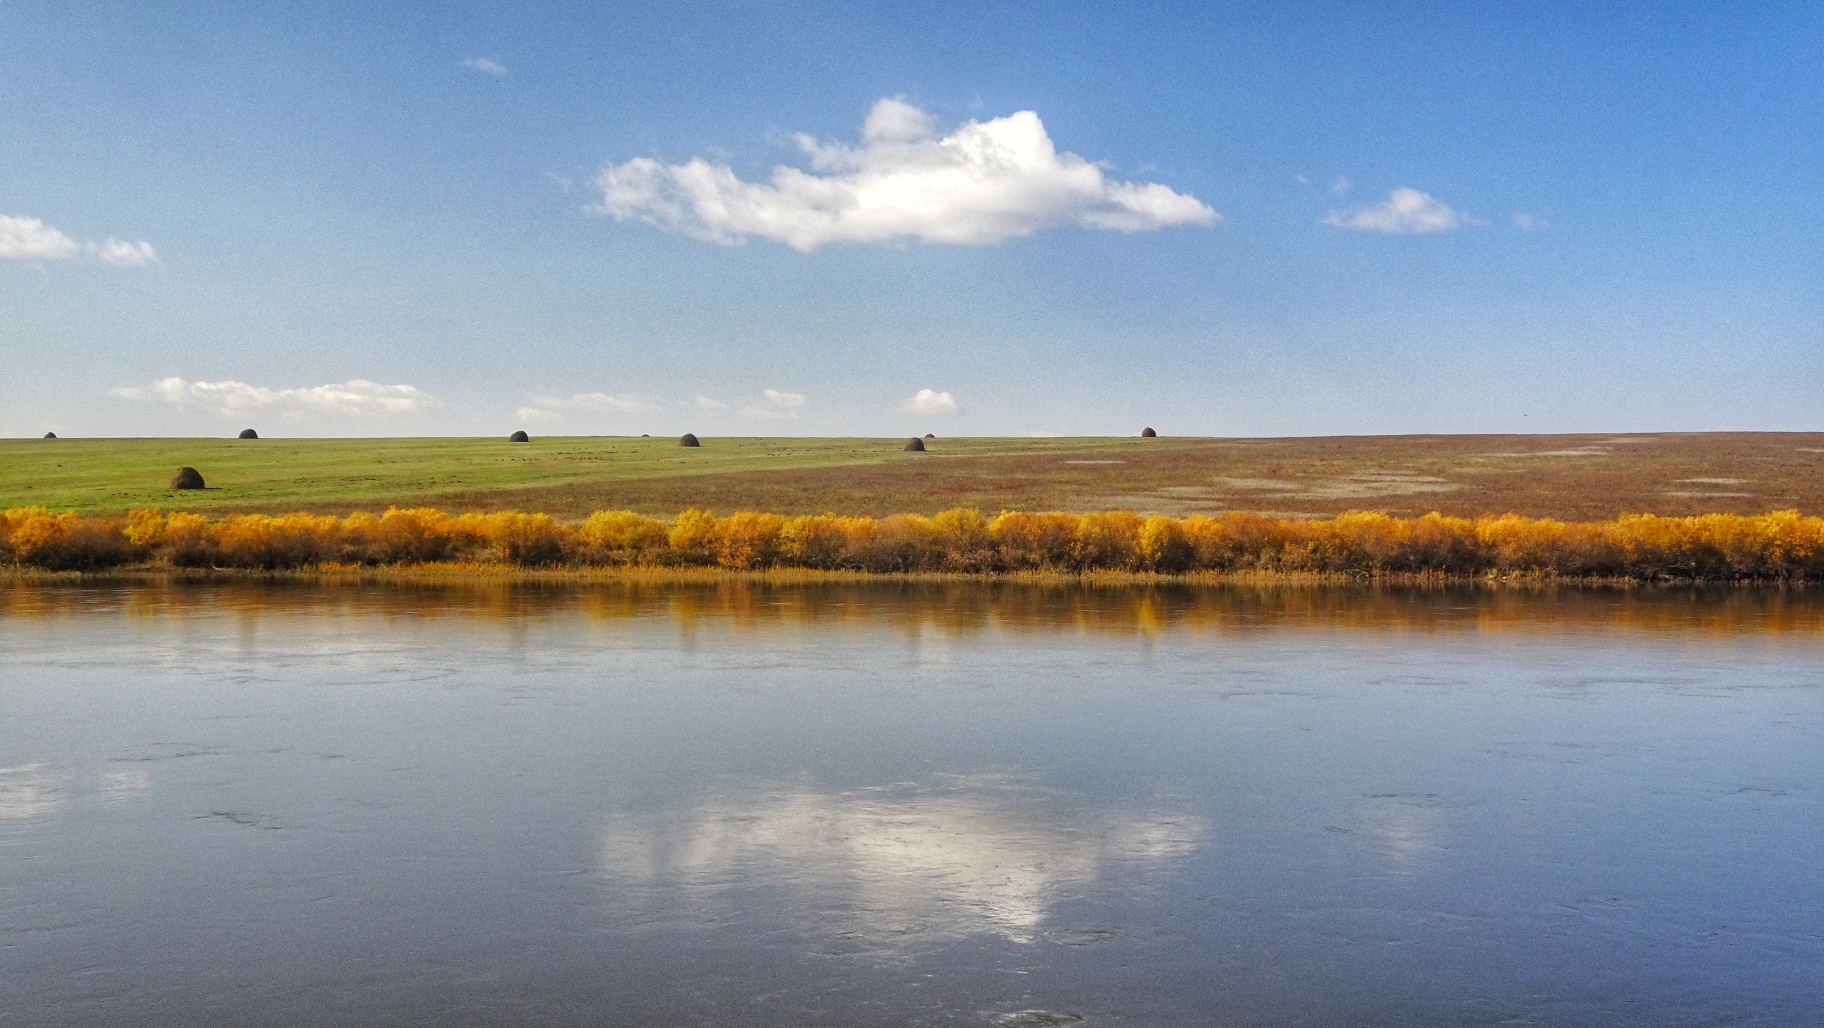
(1583, 477)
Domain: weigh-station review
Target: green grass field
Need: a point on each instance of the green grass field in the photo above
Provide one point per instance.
(1573, 477)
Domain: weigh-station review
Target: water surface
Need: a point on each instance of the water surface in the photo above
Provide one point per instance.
(976, 804)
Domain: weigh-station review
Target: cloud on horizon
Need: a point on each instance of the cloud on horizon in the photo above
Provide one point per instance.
(1405, 212)
(357, 397)
(29, 239)
(774, 404)
(982, 184)
(551, 408)
(931, 402)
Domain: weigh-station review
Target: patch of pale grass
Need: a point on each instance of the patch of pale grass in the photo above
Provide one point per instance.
(1581, 451)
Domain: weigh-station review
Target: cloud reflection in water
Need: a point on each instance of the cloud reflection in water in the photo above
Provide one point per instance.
(889, 867)
(27, 791)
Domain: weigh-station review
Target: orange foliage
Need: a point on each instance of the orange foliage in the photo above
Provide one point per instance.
(818, 541)
(515, 538)
(35, 537)
(1782, 545)
(748, 540)
(621, 537)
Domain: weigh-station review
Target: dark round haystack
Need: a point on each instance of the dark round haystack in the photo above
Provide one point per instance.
(688, 440)
(50, 435)
(929, 436)
(1147, 433)
(248, 433)
(187, 478)
(645, 435)
(519, 437)
(915, 445)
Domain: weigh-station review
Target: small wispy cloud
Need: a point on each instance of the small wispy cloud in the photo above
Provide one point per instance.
(1405, 212)
(707, 403)
(121, 253)
(357, 397)
(1340, 186)
(551, 408)
(984, 183)
(774, 404)
(487, 67)
(930, 401)
(29, 239)
(1530, 222)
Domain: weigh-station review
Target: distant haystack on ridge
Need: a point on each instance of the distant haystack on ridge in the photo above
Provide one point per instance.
(1148, 433)
(688, 440)
(50, 435)
(519, 437)
(916, 445)
(187, 478)
(248, 433)
(929, 436)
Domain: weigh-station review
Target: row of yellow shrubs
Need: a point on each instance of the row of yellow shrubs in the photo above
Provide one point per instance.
(1780, 545)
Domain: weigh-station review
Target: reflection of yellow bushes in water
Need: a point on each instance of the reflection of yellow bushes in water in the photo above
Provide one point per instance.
(953, 607)
(1781, 545)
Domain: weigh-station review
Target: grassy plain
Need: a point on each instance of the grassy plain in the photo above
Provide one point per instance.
(1582, 477)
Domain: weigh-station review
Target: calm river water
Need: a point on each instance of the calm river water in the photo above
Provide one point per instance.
(827, 804)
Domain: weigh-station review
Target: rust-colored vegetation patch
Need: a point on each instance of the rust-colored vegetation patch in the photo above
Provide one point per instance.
(1565, 477)
(1570, 478)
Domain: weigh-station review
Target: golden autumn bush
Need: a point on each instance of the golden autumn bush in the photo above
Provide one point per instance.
(1783, 545)
(513, 538)
(816, 540)
(621, 537)
(417, 536)
(35, 537)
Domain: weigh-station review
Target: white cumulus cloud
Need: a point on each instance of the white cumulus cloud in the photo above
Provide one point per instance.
(1405, 212)
(487, 67)
(984, 183)
(774, 404)
(356, 396)
(29, 239)
(930, 401)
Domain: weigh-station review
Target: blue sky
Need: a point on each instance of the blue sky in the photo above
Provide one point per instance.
(1289, 219)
